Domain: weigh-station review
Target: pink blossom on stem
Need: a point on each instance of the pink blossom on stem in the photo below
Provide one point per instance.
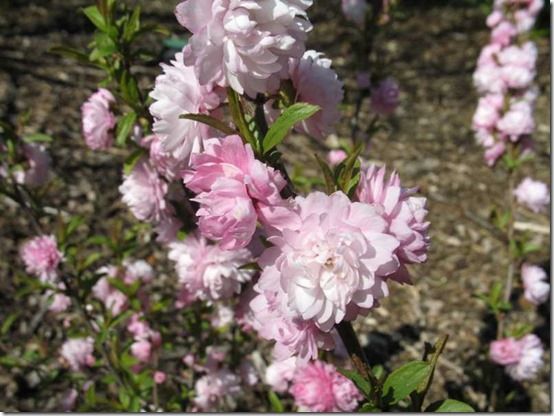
(159, 377)
(77, 353)
(214, 388)
(141, 350)
(42, 257)
(533, 194)
(535, 284)
(334, 157)
(505, 351)
(97, 120)
(279, 374)
(530, 362)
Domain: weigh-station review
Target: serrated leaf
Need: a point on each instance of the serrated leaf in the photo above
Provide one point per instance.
(449, 406)
(124, 127)
(276, 405)
(38, 138)
(210, 121)
(404, 380)
(95, 17)
(285, 122)
(361, 383)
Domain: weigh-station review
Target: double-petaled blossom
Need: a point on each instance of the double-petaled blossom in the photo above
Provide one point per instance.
(42, 257)
(505, 351)
(234, 189)
(97, 120)
(279, 374)
(215, 388)
(533, 194)
(244, 44)
(78, 353)
(535, 284)
(522, 358)
(59, 302)
(177, 92)
(331, 263)
(207, 271)
(385, 97)
(319, 387)
(403, 212)
(355, 10)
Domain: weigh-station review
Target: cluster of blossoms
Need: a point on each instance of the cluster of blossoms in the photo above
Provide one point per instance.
(77, 352)
(522, 358)
(504, 77)
(535, 284)
(98, 121)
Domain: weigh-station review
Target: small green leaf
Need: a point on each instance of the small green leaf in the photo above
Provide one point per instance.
(286, 121)
(124, 127)
(344, 172)
(38, 138)
(250, 266)
(368, 408)
(124, 398)
(449, 406)
(133, 25)
(276, 405)
(95, 17)
(361, 383)
(73, 224)
(104, 45)
(330, 185)
(8, 322)
(210, 121)
(131, 161)
(404, 380)
(129, 89)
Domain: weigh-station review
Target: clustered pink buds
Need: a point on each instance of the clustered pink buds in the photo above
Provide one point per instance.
(535, 284)
(97, 120)
(77, 353)
(504, 77)
(533, 194)
(522, 358)
(42, 257)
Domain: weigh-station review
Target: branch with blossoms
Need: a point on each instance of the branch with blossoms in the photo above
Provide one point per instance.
(503, 125)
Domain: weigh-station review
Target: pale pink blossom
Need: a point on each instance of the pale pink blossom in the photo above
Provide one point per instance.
(535, 195)
(355, 10)
(137, 270)
(215, 388)
(165, 163)
(98, 121)
(535, 284)
(519, 56)
(248, 373)
(488, 112)
(141, 350)
(77, 353)
(42, 257)
(319, 387)
(59, 301)
(332, 262)
(494, 18)
(279, 374)
(503, 33)
(244, 44)
(334, 157)
(159, 377)
(167, 229)
(222, 317)
(177, 92)
(207, 271)
(488, 78)
(488, 55)
(494, 152)
(385, 97)
(530, 362)
(403, 212)
(505, 351)
(69, 399)
(517, 121)
(116, 302)
(144, 193)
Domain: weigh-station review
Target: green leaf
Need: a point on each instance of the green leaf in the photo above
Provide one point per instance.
(90, 395)
(361, 383)
(449, 406)
(124, 398)
(8, 322)
(95, 17)
(210, 121)
(104, 45)
(131, 161)
(276, 405)
(434, 351)
(91, 259)
(368, 408)
(133, 25)
(404, 380)
(330, 185)
(344, 172)
(70, 53)
(38, 138)
(175, 43)
(129, 89)
(286, 121)
(73, 224)
(124, 127)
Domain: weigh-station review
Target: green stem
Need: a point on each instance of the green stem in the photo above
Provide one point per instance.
(237, 113)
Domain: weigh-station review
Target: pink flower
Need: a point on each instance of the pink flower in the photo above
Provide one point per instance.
(385, 97)
(97, 120)
(137, 270)
(488, 78)
(60, 302)
(316, 83)
(165, 163)
(533, 194)
(144, 193)
(116, 302)
(505, 351)
(248, 373)
(333, 263)
(319, 387)
(494, 152)
(212, 389)
(537, 289)
(244, 44)
(177, 91)
(168, 229)
(518, 121)
(141, 350)
(222, 317)
(334, 157)
(207, 271)
(494, 18)
(524, 56)
(69, 400)
(503, 33)
(404, 215)
(159, 377)
(36, 170)
(488, 111)
(77, 353)
(233, 187)
(279, 374)
(42, 257)
(355, 10)
(530, 362)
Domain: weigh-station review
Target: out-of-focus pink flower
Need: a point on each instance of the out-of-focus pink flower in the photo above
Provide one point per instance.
(363, 80)
(137, 270)
(488, 112)
(334, 157)
(355, 10)
(248, 373)
(530, 362)
(505, 351)
(279, 374)
(168, 229)
(332, 265)
(533, 194)
(494, 18)
(494, 152)
(244, 44)
(165, 163)
(42, 257)
(144, 193)
(404, 214)
(159, 377)
(232, 185)
(97, 120)
(488, 79)
(176, 92)
(517, 121)
(213, 388)
(207, 271)
(116, 302)
(37, 169)
(319, 387)
(503, 33)
(69, 399)
(77, 353)
(222, 317)
(316, 83)
(535, 284)
(385, 97)
(60, 302)
(141, 350)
